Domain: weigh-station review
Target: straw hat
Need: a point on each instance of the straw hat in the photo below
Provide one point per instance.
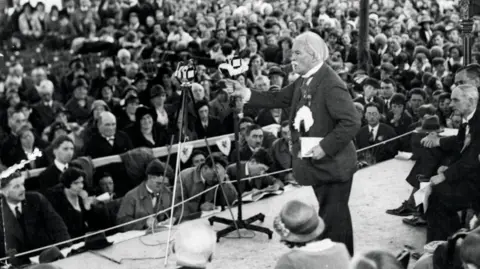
(298, 222)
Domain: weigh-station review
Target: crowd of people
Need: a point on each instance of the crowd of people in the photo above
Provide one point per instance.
(414, 86)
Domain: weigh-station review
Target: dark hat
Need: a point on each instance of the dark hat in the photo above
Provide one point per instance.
(109, 72)
(298, 222)
(431, 124)
(157, 168)
(80, 82)
(59, 126)
(427, 109)
(414, 28)
(425, 19)
(97, 242)
(276, 70)
(156, 91)
(371, 82)
(50, 255)
(387, 67)
(217, 158)
(130, 91)
(76, 63)
(438, 60)
(145, 110)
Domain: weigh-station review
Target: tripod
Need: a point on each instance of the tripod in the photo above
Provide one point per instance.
(239, 223)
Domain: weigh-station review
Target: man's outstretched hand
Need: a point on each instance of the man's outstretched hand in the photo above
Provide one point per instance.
(239, 90)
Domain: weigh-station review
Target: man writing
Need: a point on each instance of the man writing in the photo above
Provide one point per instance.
(330, 170)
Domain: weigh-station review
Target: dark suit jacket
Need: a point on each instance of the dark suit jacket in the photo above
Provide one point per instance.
(214, 128)
(336, 120)
(382, 152)
(189, 184)
(245, 153)
(281, 155)
(98, 146)
(465, 163)
(248, 185)
(47, 179)
(43, 226)
(43, 115)
(265, 117)
(137, 203)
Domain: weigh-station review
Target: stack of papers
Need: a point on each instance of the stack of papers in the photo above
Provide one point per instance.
(307, 144)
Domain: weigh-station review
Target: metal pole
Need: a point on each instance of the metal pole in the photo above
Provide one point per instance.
(363, 49)
(467, 28)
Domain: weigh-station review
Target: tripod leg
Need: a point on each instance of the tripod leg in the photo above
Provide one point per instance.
(224, 232)
(220, 220)
(252, 219)
(259, 229)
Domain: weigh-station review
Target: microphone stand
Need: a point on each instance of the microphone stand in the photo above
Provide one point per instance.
(239, 223)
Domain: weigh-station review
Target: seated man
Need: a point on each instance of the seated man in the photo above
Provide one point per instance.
(148, 198)
(30, 220)
(254, 136)
(194, 245)
(456, 186)
(195, 181)
(258, 164)
(373, 133)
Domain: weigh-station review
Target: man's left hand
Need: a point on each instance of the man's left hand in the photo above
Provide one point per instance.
(435, 180)
(317, 152)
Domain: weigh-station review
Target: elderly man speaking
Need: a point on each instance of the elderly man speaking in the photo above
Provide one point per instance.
(320, 100)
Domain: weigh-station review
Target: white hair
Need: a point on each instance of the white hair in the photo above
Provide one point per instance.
(123, 53)
(46, 86)
(315, 44)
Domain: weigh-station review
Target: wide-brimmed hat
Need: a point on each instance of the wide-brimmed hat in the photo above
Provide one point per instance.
(50, 255)
(96, 242)
(144, 110)
(431, 124)
(298, 222)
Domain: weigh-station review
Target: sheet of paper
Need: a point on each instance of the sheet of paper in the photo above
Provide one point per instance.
(402, 155)
(308, 143)
(449, 132)
(103, 197)
(421, 196)
(209, 213)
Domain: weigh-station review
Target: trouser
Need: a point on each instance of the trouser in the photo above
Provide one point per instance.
(333, 201)
(446, 199)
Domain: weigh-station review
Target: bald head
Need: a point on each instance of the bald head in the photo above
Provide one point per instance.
(309, 50)
(107, 124)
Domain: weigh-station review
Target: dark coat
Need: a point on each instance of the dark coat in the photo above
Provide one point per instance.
(214, 128)
(42, 115)
(336, 120)
(98, 146)
(47, 179)
(43, 226)
(159, 133)
(379, 153)
(265, 117)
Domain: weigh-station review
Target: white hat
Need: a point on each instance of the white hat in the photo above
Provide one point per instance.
(194, 244)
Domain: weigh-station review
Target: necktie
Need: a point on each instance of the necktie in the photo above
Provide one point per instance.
(111, 140)
(18, 214)
(371, 137)
(466, 140)
(154, 199)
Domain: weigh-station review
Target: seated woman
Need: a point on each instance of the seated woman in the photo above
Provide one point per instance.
(299, 226)
(146, 131)
(72, 203)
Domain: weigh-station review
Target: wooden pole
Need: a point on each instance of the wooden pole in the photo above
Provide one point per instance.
(363, 47)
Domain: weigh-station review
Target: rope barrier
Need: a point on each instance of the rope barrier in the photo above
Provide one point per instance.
(176, 205)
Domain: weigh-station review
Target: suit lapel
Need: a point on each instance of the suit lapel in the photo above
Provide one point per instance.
(12, 225)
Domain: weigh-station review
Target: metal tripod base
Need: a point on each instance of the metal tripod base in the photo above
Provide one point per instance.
(241, 224)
